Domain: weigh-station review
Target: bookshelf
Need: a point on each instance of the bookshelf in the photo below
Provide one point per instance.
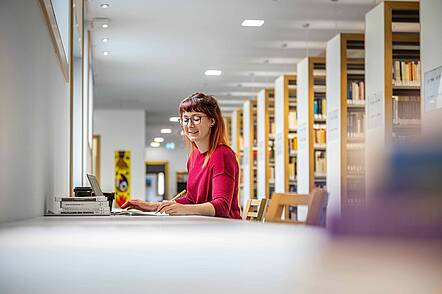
(266, 142)
(249, 154)
(392, 55)
(228, 125)
(181, 180)
(345, 83)
(311, 124)
(237, 145)
(285, 130)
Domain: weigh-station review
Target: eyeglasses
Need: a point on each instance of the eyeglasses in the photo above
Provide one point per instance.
(195, 119)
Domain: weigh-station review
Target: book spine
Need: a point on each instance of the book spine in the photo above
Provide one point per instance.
(362, 89)
(80, 199)
(90, 204)
(85, 210)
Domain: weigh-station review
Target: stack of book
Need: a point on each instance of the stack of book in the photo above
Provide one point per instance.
(320, 163)
(406, 73)
(98, 205)
(319, 134)
(319, 108)
(406, 110)
(356, 92)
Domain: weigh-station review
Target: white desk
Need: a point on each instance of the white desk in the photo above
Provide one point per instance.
(163, 254)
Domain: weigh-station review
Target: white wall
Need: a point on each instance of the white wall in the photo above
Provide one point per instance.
(34, 113)
(121, 130)
(177, 159)
(431, 56)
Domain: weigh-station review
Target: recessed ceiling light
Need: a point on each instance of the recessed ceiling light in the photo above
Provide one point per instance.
(166, 131)
(213, 72)
(170, 145)
(104, 5)
(158, 139)
(106, 53)
(174, 119)
(154, 144)
(105, 26)
(252, 23)
(105, 40)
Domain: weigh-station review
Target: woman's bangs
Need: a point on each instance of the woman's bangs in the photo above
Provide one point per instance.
(191, 105)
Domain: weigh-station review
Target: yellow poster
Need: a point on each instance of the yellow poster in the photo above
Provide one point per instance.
(122, 177)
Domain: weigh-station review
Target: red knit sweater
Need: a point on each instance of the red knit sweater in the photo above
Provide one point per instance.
(216, 183)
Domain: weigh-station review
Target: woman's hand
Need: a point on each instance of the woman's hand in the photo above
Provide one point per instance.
(174, 208)
(140, 205)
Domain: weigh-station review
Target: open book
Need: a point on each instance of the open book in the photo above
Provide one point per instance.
(136, 212)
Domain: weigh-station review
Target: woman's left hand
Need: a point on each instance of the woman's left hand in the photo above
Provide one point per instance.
(173, 208)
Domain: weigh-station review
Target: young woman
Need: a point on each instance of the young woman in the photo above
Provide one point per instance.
(213, 171)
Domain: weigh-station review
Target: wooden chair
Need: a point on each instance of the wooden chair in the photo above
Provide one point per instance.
(255, 209)
(316, 202)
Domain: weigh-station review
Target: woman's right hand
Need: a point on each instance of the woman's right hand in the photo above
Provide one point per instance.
(140, 205)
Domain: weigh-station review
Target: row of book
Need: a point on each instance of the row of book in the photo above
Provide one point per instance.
(355, 193)
(356, 92)
(355, 168)
(400, 138)
(319, 106)
(320, 163)
(292, 120)
(355, 124)
(319, 134)
(272, 126)
(293, 144)
(406, 109)
(272, 172)
(98, 205)
(407, 73)
(355, 161)
(292, 167)
(355, 146)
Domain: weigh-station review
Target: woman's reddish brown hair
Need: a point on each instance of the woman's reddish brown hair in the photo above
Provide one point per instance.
(200, 102)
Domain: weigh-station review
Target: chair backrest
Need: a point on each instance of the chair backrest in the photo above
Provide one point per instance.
(317, 209)
(255, 209)
(316, 202)
(280, 203)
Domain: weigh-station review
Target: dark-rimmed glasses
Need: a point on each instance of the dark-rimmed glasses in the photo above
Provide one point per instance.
(195, 119)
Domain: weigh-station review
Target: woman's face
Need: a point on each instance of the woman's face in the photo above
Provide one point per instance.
(196, 126)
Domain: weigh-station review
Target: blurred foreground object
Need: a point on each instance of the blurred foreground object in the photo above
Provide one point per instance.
(408, 200)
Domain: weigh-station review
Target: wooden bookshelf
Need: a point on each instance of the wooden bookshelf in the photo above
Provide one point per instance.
(285, 118)
(238, 145)
(266, 140)
(345, 80)
(249, 156)
(311, 124)
(392, 53)
(228, 125)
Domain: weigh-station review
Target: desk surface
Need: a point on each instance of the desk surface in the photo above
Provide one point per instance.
(206, 255)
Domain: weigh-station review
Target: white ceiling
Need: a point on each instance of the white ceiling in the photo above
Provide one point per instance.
(160, 49)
